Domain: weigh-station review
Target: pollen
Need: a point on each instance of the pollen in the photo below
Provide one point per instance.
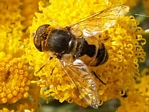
(14, 83)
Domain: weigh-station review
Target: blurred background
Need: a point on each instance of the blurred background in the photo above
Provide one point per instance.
(141, 13)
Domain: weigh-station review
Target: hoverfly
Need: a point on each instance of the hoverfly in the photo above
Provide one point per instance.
(76, 48)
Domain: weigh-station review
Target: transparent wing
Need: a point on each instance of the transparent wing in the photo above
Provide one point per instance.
(99, 22)
(82, 79)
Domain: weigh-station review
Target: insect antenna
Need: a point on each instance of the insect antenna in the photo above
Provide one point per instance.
(97, 76)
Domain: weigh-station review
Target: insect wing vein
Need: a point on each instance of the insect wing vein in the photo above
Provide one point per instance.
(83, 81)
(100, 21)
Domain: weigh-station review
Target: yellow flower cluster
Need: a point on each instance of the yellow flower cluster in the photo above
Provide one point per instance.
(143, 82)
(28, 9)
(139, 97)
(19, 87)
(15, 73)
(14, 79)
(11, 29)
(124, 48)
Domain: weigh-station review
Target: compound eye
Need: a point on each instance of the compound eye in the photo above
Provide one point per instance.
(40, 35)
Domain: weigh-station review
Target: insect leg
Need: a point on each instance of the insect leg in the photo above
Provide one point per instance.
(43, 66)
(97, 76)
(52, 71)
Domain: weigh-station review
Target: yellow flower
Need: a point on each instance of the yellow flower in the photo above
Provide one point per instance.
(20, 89)
(28, 9)
(124, 48)
(14, 79)
(134, 103)
(16, 91)
(142, 83)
